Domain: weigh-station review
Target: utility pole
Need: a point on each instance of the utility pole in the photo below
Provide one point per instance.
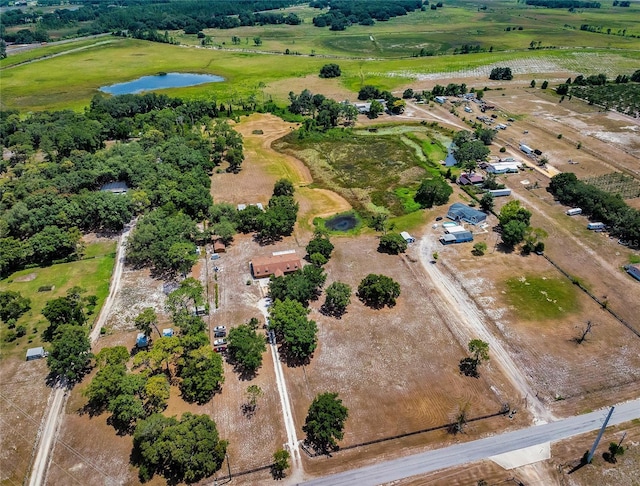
(597, 441)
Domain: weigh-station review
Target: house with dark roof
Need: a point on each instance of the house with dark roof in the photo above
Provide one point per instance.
(461, 212)
(277, 265)
(470, 179)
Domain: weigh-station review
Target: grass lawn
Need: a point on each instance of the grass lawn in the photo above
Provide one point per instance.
(92, 274)
(541, 298)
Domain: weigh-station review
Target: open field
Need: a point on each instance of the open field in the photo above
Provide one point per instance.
(92, 274)
(23, 391)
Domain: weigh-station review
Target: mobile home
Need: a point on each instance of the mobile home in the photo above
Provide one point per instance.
(574, 211)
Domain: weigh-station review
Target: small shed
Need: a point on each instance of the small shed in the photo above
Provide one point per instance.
(440, 99)
(500, 192)
(407, 237)
(219, 246)
(36, 353)
(461, 212)
(142, 341)
(633, 270)
(167, 332)
(200, 310)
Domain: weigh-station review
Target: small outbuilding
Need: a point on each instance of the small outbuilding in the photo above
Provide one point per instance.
(633, 270)
(503, 167)
(461, 212)
(119, 187)
(461, 237)
(36, 353)
(407, 237)
(500, 192)
(142, 341)
(440, 99)
(167, 332)
(219, 246)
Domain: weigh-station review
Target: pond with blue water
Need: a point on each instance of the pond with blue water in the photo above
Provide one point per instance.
(342, 222)
(160, 81)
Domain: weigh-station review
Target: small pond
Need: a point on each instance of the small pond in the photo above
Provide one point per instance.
(160, 81)
(343, 222)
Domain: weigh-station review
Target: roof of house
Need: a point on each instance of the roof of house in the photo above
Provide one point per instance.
(447, 237)
(462, 211)
(218, 245)
(276, 265)
(466, 179)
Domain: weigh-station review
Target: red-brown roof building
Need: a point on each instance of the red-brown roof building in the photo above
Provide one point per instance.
(276, 265)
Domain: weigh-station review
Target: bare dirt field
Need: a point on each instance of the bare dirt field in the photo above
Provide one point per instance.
(23, 402)
(395, 369)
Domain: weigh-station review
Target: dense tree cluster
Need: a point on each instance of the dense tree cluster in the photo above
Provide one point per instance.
(325, 113)
(451, 89)
(188, 449)
(325, 420)
(330, 71)
(298, 335)
(45, 209)
(302, 285)
(501, 73)
(563, 3)
(468, 150)
(337, 298)
(600, 205)
(13, 305)
(378, 290)
(433, 192)
(514, 223)
(146, 19)
(246, 348)
(342, 14)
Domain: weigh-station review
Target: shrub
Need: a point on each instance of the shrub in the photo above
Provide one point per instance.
(330, 71)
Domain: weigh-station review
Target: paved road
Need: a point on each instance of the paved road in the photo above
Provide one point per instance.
(480, 449)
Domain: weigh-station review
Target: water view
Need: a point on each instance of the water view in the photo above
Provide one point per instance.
(160, 81)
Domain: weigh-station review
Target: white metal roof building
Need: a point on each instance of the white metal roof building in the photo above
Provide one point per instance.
(503, 167)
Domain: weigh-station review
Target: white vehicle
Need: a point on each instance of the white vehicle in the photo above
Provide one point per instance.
(220, 342)
(219, 328)
(468, 110)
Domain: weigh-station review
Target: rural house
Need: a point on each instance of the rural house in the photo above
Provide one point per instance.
(461, 212)
(470, 179)
(278, 265)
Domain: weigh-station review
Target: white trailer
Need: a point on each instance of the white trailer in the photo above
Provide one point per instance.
(526, 149)
(574, 211)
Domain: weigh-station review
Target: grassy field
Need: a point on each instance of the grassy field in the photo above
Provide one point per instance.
(374, 171)
(92, 274)
(542, 298)
(380, 55)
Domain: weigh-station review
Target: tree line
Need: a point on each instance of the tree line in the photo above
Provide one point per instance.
(342, 14)
(100, 17)
(600, 205)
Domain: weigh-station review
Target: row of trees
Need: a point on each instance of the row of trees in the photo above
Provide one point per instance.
(189, 15)
(343, 14)
(600, 205)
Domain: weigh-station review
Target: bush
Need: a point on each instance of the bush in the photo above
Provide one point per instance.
(330, 71)
(499, 73)
(503, 150)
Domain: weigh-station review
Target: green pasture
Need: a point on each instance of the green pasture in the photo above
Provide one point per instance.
(374, 170)
(92, 274)
(541, 298)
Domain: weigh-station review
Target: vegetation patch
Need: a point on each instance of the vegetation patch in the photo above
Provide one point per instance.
(374, 172)
(321, 223)
(52, 282)
(616, 183)
(541, 298)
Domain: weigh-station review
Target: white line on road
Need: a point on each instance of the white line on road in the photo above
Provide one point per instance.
(477, 450)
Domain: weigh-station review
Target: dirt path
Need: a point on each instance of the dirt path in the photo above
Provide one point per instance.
(473, 326)
(287, 414)
(61, 390)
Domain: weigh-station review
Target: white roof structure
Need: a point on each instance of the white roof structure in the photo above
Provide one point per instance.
(455, 229)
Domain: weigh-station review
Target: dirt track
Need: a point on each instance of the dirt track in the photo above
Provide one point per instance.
(472, 326)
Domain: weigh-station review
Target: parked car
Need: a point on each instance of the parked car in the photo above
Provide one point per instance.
(439, 218)
(220, 342)
(219, 334)
(220, 328)
(220, 349)
(215, 256)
